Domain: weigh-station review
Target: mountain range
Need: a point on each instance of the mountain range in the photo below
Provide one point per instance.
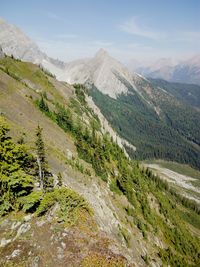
(158, 120)
(185, 71)
(16, 42)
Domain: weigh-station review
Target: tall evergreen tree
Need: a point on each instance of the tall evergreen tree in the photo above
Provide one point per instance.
(45, 181)
(15, 167)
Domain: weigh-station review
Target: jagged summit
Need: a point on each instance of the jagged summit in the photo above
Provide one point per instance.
(104, 72)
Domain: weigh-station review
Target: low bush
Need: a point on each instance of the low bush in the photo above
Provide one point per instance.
(70, 204)
(30, 202)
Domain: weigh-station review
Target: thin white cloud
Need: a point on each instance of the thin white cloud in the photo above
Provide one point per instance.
(102, 44)
(187, 36)
(132, 26)
(70, 49)
(137, 46)
(67, 47)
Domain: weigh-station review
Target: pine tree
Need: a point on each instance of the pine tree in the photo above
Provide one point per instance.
(42, 105)
(45, 181)
(15, 169)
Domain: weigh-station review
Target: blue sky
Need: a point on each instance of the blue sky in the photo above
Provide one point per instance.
(142, 30)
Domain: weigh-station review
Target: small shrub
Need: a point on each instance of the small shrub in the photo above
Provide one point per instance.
(60, 182)
(70, 204)
(141, 226)
(114, 188)
(5, 207)
(125, 235)
(46, 203)
(100, 260)
(31, 202)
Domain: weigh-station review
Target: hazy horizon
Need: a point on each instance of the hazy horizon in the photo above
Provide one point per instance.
(139, 30)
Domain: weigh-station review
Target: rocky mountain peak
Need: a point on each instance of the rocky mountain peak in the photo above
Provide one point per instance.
(15, 42)
(106, 73)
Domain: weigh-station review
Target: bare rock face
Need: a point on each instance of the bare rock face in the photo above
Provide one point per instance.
(15, 42)
(104, 72)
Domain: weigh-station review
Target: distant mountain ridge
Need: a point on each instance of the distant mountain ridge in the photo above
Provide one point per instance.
(187, 71)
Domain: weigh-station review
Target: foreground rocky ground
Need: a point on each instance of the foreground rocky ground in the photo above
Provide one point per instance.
(47, 241)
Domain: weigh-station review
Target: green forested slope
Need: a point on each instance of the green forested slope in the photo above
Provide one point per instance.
(188, 93)
(137, 185)
(173, 135)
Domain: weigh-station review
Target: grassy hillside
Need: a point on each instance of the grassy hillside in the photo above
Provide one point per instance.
(139, 215)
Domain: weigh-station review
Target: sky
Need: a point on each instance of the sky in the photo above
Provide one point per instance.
(141, 30)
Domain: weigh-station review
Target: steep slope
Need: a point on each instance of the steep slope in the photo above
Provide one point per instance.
(142, 112)
(135, 214)
(19, 90)
(14, 42)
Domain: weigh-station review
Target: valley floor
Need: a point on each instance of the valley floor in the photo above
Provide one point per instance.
(185, 179)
